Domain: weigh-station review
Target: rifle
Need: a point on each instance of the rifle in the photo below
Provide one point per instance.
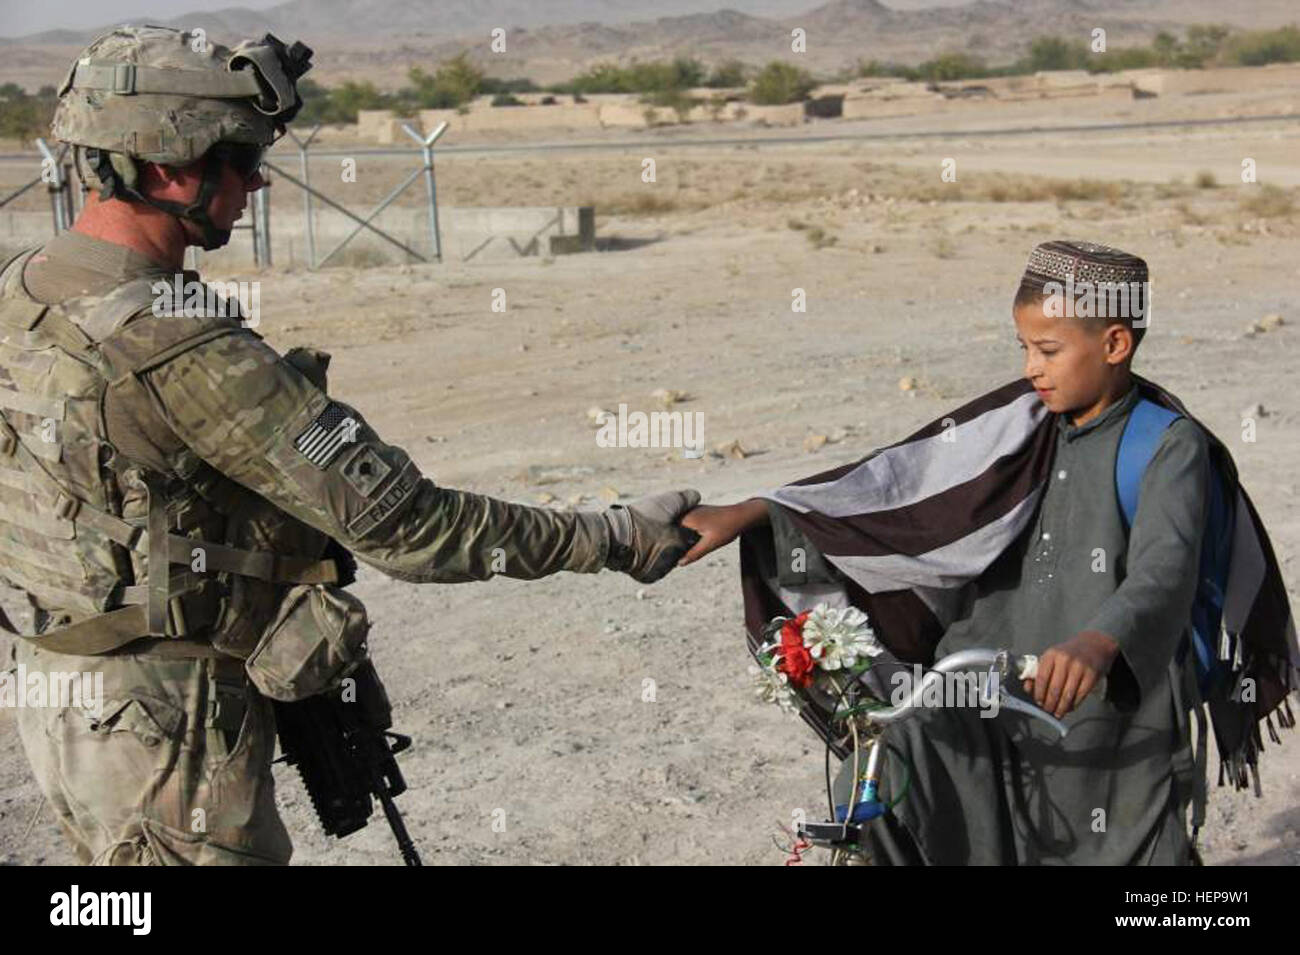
(344, 749)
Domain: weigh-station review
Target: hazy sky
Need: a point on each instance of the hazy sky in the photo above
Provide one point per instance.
(19, 17)
(31, 16)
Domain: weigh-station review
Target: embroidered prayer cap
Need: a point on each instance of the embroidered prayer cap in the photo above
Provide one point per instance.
(1066, 259)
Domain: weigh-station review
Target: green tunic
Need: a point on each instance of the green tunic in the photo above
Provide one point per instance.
(1115, 791)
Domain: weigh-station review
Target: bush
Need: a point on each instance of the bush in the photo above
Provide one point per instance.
(490, 85)
(953, 66)
(656, 76)
(24, 116)
(505, 99)
(675, 100)
(1268, 202)
(779, 83)
(876, 68)
(1265, 46)
(1054, 53)
(728, 75)
(453, 84)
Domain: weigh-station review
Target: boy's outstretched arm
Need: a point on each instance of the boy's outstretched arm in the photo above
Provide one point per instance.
(720, 525)
(1141, 623)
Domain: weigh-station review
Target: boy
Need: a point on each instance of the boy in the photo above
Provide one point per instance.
(1053, 571)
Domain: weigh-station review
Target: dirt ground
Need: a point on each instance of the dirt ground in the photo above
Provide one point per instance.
(528, 697)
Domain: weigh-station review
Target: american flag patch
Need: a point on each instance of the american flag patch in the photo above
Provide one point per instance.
(326, 436)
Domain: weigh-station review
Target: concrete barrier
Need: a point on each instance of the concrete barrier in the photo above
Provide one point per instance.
(484, 233)
(1235, 79)
(369, 121)
(871, 107)
(480, 118)
(390, 131)
(789, 114)
(631, 115)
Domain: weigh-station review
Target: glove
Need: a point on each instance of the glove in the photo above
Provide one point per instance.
(645, 539)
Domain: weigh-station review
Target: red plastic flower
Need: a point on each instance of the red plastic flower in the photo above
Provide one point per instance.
(795, 660)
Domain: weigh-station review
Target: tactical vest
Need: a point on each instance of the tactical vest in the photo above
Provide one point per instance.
(83, 523)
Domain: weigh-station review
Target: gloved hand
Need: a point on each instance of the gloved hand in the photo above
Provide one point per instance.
(645, 539)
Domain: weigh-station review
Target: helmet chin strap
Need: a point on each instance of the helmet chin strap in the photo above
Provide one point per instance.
(114, 186)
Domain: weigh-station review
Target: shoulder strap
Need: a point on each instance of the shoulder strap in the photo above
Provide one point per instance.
(1146, 424)
(114, 309)
(18, 310)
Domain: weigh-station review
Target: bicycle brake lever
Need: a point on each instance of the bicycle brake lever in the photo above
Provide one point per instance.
(1020, 706)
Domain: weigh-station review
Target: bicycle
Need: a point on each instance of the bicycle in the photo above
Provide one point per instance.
(870, 717)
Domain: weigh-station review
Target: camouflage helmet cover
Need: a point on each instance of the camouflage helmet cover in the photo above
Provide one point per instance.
(167, 96)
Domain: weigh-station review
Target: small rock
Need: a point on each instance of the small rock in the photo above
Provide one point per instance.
(640, 594)
(610, 494)
(545, 498)
(597, 416)
(730, 449)
(814, 442)
(669, 396)
(1254, 411)
(907, 383)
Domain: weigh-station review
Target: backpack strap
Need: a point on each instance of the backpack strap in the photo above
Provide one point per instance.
(1146, 425)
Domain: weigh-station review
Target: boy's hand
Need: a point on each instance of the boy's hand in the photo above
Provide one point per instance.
(719, 526)
(1069, 671)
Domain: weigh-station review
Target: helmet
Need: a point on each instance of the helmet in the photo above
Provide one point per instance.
(167, 96)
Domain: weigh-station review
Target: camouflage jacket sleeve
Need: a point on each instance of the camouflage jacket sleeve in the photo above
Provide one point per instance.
(236, 403)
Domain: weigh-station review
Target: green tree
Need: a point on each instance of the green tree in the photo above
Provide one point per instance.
(24, 116)
(1204, 43)
(1055, 53)
(1165, 48)
(453, 84)
(952, 66)
(727, 75)
(1265, 46)
(779, 83)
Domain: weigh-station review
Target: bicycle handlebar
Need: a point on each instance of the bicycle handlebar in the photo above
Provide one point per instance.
(1003, 663)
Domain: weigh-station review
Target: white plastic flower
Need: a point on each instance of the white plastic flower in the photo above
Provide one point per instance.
(838, 638)
(773, 686)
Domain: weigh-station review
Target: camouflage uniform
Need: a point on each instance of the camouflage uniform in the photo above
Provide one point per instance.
(129, 439)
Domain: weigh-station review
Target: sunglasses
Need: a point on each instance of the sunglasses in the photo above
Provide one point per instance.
(244, 158)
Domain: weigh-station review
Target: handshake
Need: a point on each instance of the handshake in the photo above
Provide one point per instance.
(653, 534)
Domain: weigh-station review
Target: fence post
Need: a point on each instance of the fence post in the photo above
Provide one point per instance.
(55, 186)
(426, 150)
(306, 193)
(261, 228)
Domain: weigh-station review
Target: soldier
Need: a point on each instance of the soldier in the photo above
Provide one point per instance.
(172, 490)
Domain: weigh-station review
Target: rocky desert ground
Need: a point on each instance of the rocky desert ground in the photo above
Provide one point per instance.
(528, 697)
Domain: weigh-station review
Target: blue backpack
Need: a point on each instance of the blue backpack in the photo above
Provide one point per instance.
(1142, 433)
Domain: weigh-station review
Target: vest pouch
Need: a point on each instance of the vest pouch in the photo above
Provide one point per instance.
(317, 638)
